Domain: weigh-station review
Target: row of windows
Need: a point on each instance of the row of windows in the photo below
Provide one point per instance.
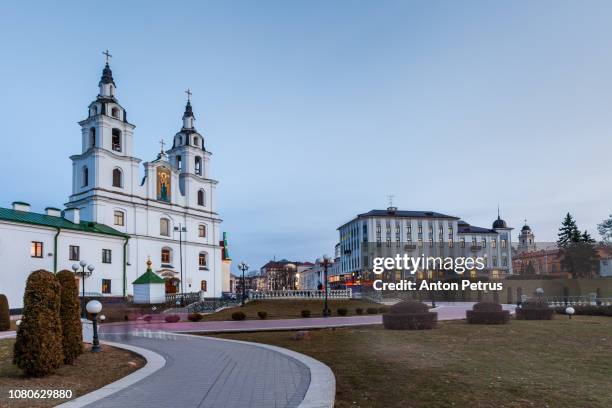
(117, 177)
(74, 252)
(197, 163)
(116, 141)
(107, 286)
(167, 256)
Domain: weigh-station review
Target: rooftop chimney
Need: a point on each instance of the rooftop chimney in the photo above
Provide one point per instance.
(73, 215)
(21, 206)
(53, 212)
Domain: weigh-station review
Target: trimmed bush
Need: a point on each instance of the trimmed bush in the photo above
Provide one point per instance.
(410, 315)
(535, 310)
(262, 315)
(305, 313)
(70, 309)
(342, 311)
(372, 310)
(238, 316)
(359, 311)
(194, 317)
(5, 316)
(174, 318)
(383, 309)
(147, 318)
(487, 313)
(38, 348)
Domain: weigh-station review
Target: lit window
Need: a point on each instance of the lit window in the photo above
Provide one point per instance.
(165, 255)
(203, 286)
(202, 259)
(106, 286)
(119, 218)
(36, 250)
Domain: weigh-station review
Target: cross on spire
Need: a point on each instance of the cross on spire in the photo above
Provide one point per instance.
(188, 92)
(162, 143)
(391, 197)
(108, 55)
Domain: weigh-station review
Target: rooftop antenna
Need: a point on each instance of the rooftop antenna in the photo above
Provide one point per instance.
(391, 208)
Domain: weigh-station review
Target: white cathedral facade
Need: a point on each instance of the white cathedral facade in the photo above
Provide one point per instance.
(115, 219)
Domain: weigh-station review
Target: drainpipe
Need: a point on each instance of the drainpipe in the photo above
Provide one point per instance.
(125, 261)
(55, 249)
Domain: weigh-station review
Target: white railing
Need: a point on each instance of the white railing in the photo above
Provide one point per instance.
(301, 294)
(185, 297)
(558, 301)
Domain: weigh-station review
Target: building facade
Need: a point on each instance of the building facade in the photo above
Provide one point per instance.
(416, 233)
(168, 215)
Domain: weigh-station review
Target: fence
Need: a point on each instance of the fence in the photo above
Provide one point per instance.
(300, 294)
(556, 301)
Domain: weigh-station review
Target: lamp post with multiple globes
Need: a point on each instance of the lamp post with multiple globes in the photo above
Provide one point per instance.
(84, 273)
(243, 267)
(326, 262)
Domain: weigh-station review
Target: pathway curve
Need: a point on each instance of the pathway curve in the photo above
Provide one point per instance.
(205, 372)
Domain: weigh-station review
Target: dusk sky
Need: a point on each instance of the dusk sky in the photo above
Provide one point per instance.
(317, 111)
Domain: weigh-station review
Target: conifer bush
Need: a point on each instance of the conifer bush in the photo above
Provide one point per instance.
(38, 348)
(305, 313)
(487, 313)
(72, 330)
(5, 316)
(262, 315)
(194, 317)
(410, 315)
(238, 316)
(342, 311)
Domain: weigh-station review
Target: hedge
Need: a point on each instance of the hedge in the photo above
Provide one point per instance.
(5, 316)
(173, 318)
(38, 348)
(305, 313)
(342, 311)
(487, 313)
(238, 316)
(535, 310)
(409, 315)
(70, 310)
(194, 317)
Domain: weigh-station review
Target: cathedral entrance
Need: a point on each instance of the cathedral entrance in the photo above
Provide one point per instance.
(171, 279)
(171, 286)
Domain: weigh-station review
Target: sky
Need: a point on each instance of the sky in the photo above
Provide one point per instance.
(316, 111)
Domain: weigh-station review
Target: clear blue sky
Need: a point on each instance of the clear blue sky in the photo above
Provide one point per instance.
(316, 111)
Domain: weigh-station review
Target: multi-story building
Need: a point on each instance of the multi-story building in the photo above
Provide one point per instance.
(283, 274)
(416, 233)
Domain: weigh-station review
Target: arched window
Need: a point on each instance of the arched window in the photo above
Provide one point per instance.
(202, 259)
(116, 140)
(92, 137)
(117, 178)
(166, 255)
(198, 166)
(201, 198)
(202, 231)
(115, 113)
(164, 227)
(195, 141)
(179, 163)
(93, 111)
(85, 176)
(203, 286)
(119, 218)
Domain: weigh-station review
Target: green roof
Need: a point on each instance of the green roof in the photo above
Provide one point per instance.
(148, 277)
(26, 217)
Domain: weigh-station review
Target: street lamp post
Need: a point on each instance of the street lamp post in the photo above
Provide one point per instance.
(243, 267)
(94, 307)
(180, 230)
(83, 274)
(326, 261)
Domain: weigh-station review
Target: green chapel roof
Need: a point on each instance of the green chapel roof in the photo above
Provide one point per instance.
(148, 277)
(27, 217)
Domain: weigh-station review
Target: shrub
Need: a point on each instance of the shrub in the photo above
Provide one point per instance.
(383, 309)
(342, 311)
(238, 316)
(262, 315)
(359, 311)
(409, 315)
(305, 313)
(173, 318)
(72, 330)
(5, 316)
(487, 313)
(38, 347)
(372, 310)
(147, 318)
(194, 317)
(535, 310)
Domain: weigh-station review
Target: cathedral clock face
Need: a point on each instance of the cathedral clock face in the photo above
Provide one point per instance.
(163, 184)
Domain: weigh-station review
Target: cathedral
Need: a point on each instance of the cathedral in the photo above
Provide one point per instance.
(116, 219)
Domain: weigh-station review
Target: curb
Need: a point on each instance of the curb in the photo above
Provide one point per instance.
(321, 391)
(154, 363)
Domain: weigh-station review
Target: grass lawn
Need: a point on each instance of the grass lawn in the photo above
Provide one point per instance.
(558, 363)
(90, 372)
(291, 308)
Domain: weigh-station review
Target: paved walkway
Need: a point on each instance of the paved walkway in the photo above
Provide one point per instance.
(446, 311)
(204, 372)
